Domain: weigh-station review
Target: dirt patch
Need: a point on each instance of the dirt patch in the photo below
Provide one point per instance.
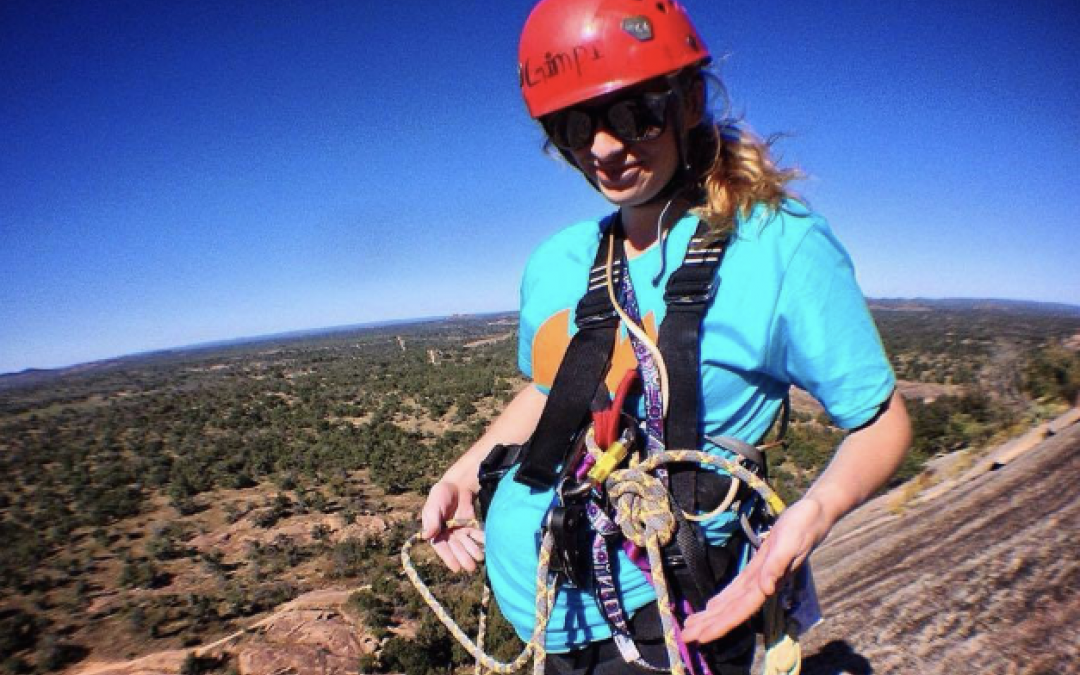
(310, 635)
(495, 339)
(233, 540)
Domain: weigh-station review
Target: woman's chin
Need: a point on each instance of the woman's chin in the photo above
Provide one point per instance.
(632, 195)
(629, 188)
(620, 182)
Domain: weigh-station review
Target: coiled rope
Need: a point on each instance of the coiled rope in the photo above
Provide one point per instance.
(643, 511)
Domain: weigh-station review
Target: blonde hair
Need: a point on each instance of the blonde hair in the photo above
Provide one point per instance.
(733, 168)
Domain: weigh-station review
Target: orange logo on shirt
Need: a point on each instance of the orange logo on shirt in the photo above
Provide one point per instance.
(552, 339)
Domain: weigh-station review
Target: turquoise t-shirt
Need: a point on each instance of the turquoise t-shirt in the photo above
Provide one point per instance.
(787, 311)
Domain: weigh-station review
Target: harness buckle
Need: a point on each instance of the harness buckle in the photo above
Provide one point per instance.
(596, 318)
(690, 295)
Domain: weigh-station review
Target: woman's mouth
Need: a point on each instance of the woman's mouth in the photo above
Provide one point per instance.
(617, 176)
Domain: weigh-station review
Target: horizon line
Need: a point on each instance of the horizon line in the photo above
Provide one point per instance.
(380, 323)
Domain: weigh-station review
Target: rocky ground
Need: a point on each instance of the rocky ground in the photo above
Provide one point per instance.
(970, 569)
(979, 574)
(311, 635)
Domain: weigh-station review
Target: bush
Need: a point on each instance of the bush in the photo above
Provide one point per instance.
(351, 558)
(1054, 373)
(429, 654)
(18, 630)
(270, 596)
(197, 665)
(54, 654)
(142, 574)
(374, 610)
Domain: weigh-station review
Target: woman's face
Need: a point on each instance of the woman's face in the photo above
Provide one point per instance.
(629, 173)
(600, 132)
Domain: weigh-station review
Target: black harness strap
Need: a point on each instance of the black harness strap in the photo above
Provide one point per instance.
(689, 292)
(580, 373)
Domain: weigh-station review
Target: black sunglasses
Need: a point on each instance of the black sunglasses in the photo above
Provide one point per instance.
(640, 117)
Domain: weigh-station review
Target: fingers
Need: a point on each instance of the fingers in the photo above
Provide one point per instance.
(732, 607)
(787, 546)
(442, 549)
(469, 542)
(465, 549)
(439, 504)
(742, 598)
(460, 549)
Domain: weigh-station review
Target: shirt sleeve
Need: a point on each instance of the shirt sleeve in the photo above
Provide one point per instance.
(824, 339)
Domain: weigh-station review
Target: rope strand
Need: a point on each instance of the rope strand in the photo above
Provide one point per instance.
(643, 511)
(546, 590)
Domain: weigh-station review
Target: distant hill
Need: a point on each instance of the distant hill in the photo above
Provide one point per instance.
(32, 376)
(976, 304)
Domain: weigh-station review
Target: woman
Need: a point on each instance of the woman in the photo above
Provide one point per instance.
(619, 88)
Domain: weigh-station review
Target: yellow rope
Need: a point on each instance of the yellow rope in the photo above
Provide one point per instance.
(783, 655)
(545, 600)
(481, 626)
(643, 511)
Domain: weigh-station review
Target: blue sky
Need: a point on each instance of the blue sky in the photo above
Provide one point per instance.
(179, 172)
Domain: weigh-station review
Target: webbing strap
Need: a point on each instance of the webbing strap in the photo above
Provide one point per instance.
(689, 292)
(580, 373)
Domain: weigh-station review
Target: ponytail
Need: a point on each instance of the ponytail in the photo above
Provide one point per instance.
(735, 170)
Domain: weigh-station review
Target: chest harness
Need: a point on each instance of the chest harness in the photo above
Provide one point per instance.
(648, 508)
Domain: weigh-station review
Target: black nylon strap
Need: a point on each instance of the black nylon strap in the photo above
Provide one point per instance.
(582, 370)
(689, 293)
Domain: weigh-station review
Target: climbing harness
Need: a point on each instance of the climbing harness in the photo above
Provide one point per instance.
(619, 485)
(644, 513)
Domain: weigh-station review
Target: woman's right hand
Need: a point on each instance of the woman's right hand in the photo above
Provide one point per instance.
(460, 548)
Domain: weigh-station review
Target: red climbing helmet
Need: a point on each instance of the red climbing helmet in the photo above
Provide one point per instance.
(575, 50)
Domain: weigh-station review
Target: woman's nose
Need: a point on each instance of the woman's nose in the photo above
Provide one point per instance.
(606, 144)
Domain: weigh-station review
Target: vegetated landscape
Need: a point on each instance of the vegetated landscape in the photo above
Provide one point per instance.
(161, 503)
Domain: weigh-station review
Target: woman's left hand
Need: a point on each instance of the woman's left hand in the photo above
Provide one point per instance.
(861, 465)
(798, 530)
